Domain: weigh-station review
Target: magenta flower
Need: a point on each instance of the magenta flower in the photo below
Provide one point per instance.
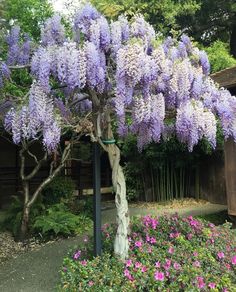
(128, 275)
(90, 283)
(138, 243)
(195, 254)
(220, 255)
(212, 285)
(153, 240)
(171, 250)
(157, 265)
(200, 282)
(176, 266)
(167, 264)
(128, 263)
(159, 276)
(233, 260)
(149, 250)
(154, 223)
(197, 264)
(144, 269)
(138, 265)
(189, 236)
(84, 263)
(77, 255)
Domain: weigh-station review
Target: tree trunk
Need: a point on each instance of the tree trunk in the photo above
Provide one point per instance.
(121, 244)
(26, 211)
(25, 223)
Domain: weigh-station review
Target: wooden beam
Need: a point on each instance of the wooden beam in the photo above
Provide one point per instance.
(225, 78)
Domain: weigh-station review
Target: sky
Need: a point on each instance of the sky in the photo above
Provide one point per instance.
(59, 5)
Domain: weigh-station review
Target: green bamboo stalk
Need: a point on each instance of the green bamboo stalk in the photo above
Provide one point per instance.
(176, 184)
(197, 183)
(152, 181)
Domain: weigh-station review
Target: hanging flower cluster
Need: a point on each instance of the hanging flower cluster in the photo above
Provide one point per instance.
(193, 122)
(122, 63)
(53, 32)
(35, 119)
(4, 73)
(18, 52)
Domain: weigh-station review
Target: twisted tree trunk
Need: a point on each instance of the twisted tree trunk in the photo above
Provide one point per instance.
(121, 244)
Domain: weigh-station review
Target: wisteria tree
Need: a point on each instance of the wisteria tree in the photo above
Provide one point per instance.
(110, 77)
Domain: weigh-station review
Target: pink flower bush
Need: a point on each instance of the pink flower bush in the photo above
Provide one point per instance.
(77, 255)
(220, 255)
(159, 276)
(166, 254)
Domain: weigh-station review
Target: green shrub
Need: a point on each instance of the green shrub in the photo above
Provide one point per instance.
(60, 188)
(167, 253)
(219, 56)
(58, 220)
(13, 215)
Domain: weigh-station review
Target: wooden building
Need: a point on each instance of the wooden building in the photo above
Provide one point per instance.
(227, 78)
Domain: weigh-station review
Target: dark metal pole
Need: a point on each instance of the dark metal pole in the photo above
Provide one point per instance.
(97, 199)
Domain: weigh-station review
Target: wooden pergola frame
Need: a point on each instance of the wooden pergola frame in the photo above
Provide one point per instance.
(226, 78)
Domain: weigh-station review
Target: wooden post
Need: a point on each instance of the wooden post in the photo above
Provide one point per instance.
(97, 199)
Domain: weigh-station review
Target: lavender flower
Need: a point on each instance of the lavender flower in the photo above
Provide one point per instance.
(13, 45)
(53, 33)
(84, 17)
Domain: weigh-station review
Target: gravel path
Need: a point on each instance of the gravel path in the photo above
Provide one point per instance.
(37, 271)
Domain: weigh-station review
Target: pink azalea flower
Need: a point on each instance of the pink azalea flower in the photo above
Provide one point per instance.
(176, 266)
(228, 267)
(189, 236)
(197, 264)
(149, 250)
(138, 265)
(157, 265)
(212, 285)
(153, 240)
(233, 260)
(171, 250)
(154, 224)
(195, 254)
(159, 276)
(220, 255)
(138, 243)
(90, 283)
(167, 264)
(77, 255)
(84, 263)
(200, 282)
(194, 223)
(128, 263)
(128, 275)
(144, 269)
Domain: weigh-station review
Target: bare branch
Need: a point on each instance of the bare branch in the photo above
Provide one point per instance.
(33, 156)
(65, 156)
(37, 167)
(19, 67)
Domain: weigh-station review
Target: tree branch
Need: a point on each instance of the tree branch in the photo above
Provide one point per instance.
(19, 67)
(37, 167)
(65, 156)
(33, 156)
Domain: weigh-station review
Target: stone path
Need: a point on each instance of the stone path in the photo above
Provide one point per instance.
(37, 271)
